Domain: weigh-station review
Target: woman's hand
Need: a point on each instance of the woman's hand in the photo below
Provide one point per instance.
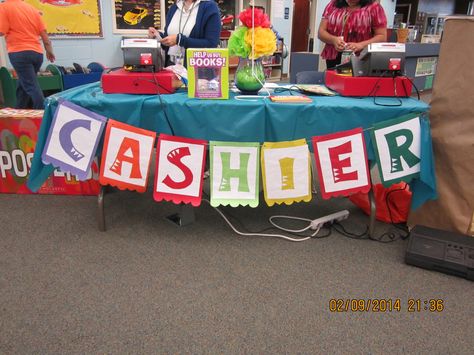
(50, 55)
(152, 32)
(338, 43)
(355, 47)
(170, 40)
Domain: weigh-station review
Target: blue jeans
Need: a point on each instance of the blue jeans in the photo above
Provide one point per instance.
(26, 65)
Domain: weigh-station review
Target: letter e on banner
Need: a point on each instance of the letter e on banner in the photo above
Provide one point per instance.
(126, 156)
(341, 159)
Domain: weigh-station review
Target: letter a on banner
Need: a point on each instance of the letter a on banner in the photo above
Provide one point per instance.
(286, 172)
(398, 149)
(234, 173)
(73, 138)
(179, 169)
(126, 156)
(341, 159)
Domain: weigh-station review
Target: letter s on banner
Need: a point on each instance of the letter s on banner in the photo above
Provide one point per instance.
(179, 169)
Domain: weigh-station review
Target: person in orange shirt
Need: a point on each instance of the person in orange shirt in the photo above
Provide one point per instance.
(22, 26)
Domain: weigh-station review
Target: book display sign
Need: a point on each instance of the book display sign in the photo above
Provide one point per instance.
(208, 73)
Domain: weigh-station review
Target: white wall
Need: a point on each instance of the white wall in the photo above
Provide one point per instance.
(283, 26)
(107, 50)
(104, 50)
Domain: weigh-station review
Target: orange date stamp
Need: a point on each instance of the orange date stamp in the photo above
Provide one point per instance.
(386, 305)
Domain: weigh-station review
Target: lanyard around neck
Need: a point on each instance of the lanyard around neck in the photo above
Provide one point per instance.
(181, 16)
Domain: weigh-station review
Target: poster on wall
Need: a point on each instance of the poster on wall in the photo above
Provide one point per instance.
(135, 16)
(70, 18)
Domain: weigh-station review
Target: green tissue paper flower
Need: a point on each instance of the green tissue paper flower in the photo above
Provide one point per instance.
(237, 45)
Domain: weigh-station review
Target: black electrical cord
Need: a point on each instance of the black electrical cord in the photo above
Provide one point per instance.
(163, 108)
(412, 83)
(376, 87)
(386, 237)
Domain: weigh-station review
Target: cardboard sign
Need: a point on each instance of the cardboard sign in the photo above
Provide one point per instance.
(18, 135)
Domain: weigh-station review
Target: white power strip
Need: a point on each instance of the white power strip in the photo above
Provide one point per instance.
(330, 218)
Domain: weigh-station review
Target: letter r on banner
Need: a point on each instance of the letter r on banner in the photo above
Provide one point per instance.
(397, 145)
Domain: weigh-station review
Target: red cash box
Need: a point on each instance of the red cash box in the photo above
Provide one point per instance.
(121, 81)
(398, 86)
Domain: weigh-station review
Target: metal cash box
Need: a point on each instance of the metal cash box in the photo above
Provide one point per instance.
(142, 54)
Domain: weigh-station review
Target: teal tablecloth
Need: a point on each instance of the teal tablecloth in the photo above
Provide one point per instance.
(241, 120)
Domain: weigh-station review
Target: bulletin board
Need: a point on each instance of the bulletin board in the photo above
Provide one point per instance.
(135, 16)
(70, 18)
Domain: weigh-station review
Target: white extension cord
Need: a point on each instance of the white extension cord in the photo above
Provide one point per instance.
(313, 224)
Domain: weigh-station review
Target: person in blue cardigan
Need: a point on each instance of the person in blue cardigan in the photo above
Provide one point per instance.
(189, 24)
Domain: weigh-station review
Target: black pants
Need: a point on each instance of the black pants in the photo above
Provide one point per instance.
(331, 63)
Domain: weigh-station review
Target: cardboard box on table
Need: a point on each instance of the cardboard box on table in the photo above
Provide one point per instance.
(18, 135)
(452, 128)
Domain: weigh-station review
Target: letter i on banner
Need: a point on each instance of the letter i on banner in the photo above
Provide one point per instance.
(73, 138)
(126, 156)
(342, 164)
(398, 149)
(234, 173)
(286, 172)
(179, 169)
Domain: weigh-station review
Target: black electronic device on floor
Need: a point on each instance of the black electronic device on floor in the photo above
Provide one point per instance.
(442, 251)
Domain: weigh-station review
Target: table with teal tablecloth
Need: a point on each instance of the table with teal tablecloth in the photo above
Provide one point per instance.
(232, 120)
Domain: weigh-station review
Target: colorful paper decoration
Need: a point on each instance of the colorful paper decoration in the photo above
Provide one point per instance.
(341, 159)
(179, 169)
(73, 138)
(286, 172)
(398, 149)
(126, 156)
(234, 173)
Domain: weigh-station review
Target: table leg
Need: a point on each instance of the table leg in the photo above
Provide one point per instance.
(100, 209)
(373, 211)
(184, 217)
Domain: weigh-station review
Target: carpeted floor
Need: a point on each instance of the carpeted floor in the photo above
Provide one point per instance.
(148, 286)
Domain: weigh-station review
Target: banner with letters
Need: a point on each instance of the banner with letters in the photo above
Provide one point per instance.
(234, 173)
(234, 167)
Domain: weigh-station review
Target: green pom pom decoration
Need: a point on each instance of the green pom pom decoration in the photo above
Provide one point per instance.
(237, 45)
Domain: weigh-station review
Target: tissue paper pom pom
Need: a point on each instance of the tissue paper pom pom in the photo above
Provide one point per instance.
(237, 45)
(260, 18)
(264, 42)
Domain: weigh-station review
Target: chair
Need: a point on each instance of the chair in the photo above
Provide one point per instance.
(310, 77)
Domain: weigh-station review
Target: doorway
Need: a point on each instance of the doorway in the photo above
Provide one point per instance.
(402, 14)
(300, 28)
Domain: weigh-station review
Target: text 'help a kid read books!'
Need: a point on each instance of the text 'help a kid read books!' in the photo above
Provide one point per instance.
(208, 73)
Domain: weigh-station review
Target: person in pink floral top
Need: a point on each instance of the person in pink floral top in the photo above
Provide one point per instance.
(350, 25)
